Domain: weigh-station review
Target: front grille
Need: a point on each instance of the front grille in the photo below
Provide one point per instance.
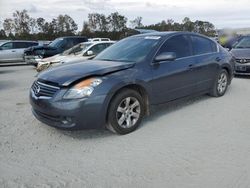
(243, 61)
(44, 90)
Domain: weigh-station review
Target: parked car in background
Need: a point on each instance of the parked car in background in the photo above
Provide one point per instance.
(80, 52)
(118, 87)
(44, 42)
(241, 52)
(13, 51)
(98, 39)
(232, 42)
(34, 54)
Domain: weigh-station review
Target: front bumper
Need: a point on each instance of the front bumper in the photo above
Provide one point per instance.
(242, 69)
(86, 113)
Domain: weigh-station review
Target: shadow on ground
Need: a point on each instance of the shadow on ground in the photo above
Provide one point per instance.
(7, 71)
(157, 112)
(242, 77)
(174, 106)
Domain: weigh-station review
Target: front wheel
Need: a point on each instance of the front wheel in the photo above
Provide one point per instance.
(125, 112)
(221, 84)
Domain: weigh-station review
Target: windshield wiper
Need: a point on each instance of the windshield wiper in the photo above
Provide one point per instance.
(117, 60)
(106, 59)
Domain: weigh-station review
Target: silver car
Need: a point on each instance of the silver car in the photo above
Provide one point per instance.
(13, 51)
(82, 51)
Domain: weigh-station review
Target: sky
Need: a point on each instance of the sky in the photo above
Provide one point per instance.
(222, 13)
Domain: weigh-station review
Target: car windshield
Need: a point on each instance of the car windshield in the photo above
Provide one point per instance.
(243, 43)
(133, 49)
(56, 43)
(78, 49)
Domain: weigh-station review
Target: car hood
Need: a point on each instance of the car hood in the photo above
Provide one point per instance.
(67, 74)
(75, 59)
(54, 58)
(34, 48)
(241, 53)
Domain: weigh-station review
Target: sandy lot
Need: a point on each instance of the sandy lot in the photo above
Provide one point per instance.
(201, 142)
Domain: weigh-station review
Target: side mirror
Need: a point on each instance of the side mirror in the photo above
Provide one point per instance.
(90, 53)
(165, 56)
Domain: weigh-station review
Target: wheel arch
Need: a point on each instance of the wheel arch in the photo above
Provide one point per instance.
(136, 87)
(229, 71)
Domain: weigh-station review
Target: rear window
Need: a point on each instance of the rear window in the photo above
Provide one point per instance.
(78, 40)
(202, 45)
(18, 45)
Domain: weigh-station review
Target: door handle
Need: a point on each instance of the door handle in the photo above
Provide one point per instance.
(218, 59)
(190, 66)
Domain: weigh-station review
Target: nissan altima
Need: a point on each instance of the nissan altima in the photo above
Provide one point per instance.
(121, 84)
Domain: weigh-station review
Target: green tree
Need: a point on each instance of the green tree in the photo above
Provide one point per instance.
(8, 26)
(117, 22)
(21, 21)
(40, 24)
(137, 22)
(188, 25)
(33, 25)
(98, 22)
(86, 29)
(2, 34)
(204, 27)
(64, 25)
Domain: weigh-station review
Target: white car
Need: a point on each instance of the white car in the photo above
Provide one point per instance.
(13, 51)
(82, 51)
(98, 39)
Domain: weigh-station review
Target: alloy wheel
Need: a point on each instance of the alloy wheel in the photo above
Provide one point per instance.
(222, 83)
(128, 112)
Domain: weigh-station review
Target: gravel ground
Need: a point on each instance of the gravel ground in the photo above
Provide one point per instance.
(200, 142)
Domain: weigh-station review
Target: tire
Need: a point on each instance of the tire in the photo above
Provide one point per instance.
(125, 112)
(221, 84)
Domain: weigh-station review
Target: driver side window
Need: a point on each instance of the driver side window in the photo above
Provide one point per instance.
(7, 46)
(98, 48)
(180, 45)
(66, 44)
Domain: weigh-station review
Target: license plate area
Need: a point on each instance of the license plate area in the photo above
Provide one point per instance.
(240, 68)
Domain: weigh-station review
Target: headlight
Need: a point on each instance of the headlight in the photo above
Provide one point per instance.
(82, 89)
(40, 63)
(56, 61)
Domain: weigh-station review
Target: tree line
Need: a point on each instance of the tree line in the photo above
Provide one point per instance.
(115, 26)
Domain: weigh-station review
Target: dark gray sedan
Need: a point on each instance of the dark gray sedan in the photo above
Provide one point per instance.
(241, 52)
(121, 84)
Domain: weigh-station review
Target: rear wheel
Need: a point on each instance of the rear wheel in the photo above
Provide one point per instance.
(125, 112)
(221, 84)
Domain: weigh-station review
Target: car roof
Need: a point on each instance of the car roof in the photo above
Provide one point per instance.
(98, 42)
(21, 41)
(72, 37)
(168, 33)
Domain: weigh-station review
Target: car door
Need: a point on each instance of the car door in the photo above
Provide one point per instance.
(174, 79)
(6, 52)
(206, 61)
(19, 50)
